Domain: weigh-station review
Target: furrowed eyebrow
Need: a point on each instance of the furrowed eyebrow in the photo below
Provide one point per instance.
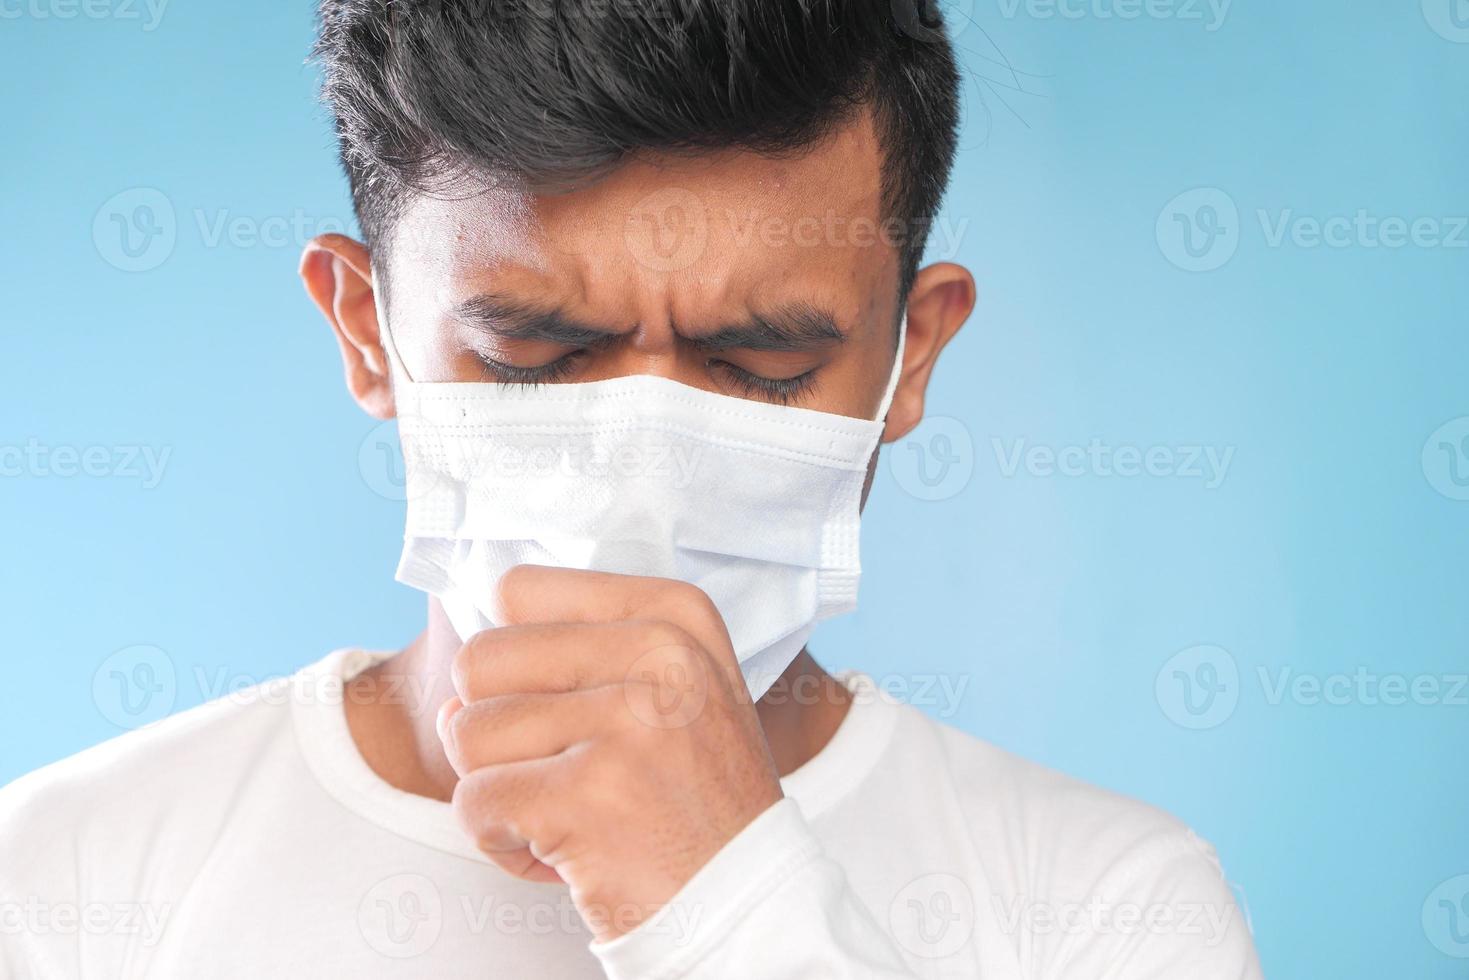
(792, 328)
(797, 327)
(513, 320)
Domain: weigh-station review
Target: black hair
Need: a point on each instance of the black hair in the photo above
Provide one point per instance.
(552, 92)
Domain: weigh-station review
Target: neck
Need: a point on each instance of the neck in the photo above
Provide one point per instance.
(391, 710)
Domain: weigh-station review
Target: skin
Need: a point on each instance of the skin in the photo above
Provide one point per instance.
(539, 732)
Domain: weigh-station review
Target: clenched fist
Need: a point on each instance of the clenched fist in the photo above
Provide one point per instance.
(604, 736)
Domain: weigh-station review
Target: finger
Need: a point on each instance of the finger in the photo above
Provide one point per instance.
(447, 710)
(531, 594)
(514, 728)
(510, 811)
(563, 657)
(522, 864)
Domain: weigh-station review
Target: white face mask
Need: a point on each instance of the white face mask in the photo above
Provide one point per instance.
(755, 503)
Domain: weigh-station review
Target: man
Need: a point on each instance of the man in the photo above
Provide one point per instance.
(640, 282)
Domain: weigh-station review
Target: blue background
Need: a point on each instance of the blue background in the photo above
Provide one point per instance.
(1333, 544)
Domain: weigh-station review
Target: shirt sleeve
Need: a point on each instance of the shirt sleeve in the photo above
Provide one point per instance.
(770, 901)
(1165, 911)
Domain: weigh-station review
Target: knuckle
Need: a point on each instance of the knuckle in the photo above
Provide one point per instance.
(518, 863)
(475, 669)
(671, 659)
(487, 716)
(466, 795)
(509, 591)
(472, 734)
(684, 667)
(672, 639)
(694, 598)
(461, 668)
(504, 710)
(690, 604)
(479, 807)
(461, 734)
(607, 772)
(471, 803)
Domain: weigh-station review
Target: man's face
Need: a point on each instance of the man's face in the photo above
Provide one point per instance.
(770, 279)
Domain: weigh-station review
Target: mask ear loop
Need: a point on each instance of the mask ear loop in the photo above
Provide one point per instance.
(892, 388)
(385, 338)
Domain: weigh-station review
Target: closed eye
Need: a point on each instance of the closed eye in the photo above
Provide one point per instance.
(746, 383)
(751, 385)
(499, 372)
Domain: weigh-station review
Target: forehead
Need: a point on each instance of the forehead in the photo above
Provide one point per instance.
(684, 235)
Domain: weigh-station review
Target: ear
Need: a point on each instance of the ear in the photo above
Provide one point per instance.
(940, 301)
(337, 273)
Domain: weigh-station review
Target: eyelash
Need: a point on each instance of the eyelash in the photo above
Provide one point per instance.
(780, 390)
(502, 373)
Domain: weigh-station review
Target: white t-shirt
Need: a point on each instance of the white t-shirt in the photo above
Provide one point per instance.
(248, 838)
